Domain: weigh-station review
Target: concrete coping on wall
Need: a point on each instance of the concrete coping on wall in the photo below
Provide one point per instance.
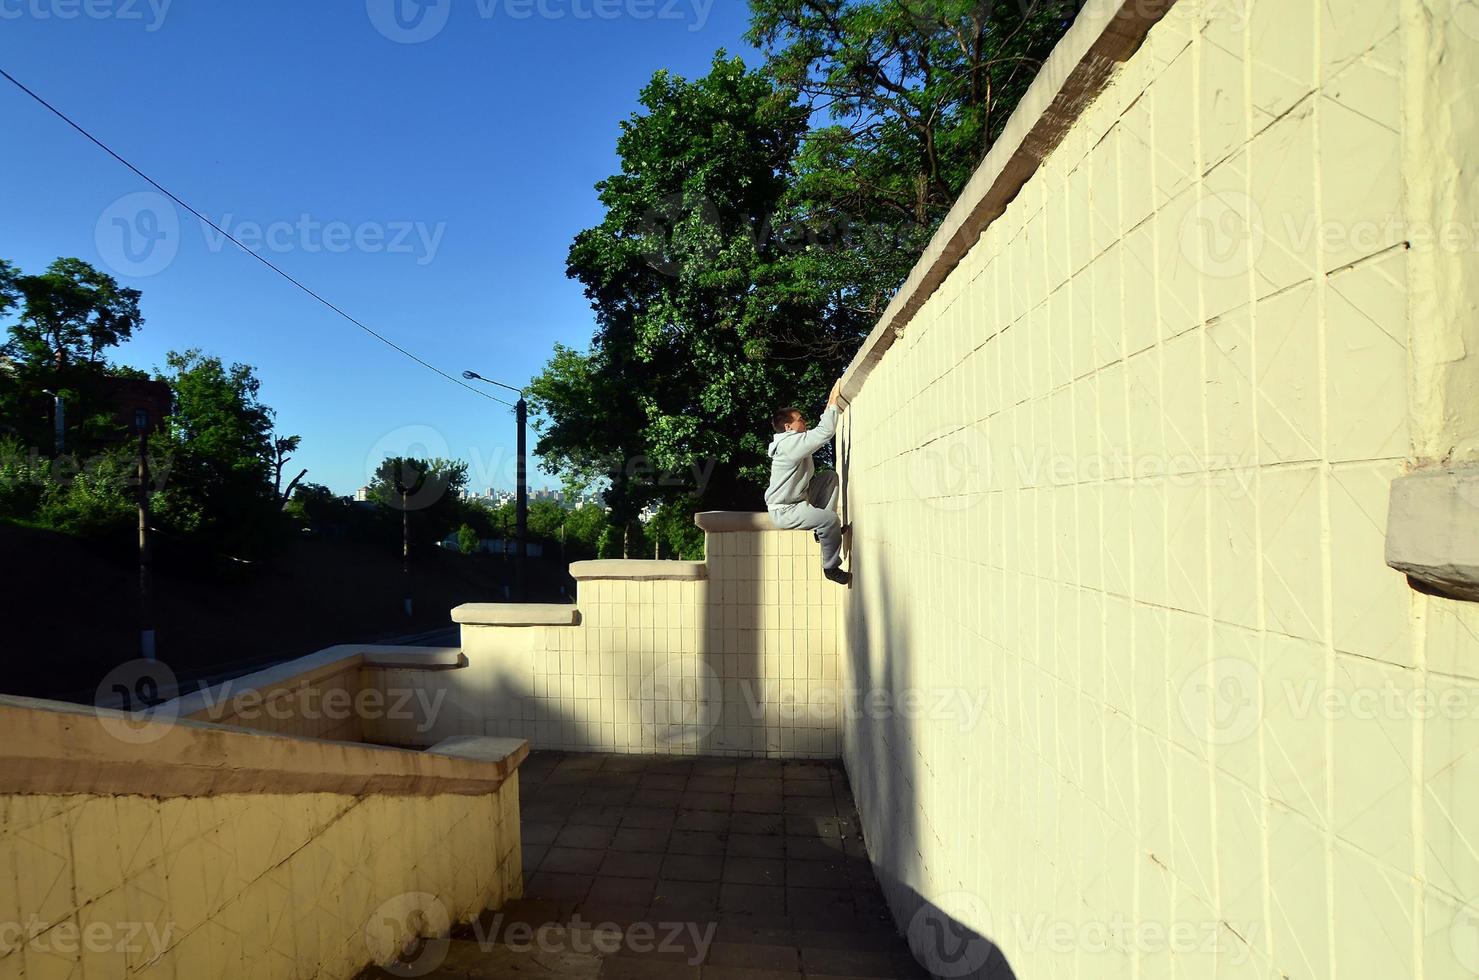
(55, 748)
(1433, 529)
(720, 521)
(1104, 34)
(516, 614)
(638, 569)
(306, 671)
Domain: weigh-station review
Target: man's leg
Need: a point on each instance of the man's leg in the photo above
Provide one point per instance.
(823, 489)
(826, 527)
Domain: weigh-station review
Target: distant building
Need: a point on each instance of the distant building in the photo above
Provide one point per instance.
(362, 495)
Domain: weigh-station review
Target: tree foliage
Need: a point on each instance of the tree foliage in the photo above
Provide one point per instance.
(760, 222)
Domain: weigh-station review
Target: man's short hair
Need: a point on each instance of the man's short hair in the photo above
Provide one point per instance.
(782, 416)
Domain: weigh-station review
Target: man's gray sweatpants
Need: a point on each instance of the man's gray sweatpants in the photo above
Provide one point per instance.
(818, 514)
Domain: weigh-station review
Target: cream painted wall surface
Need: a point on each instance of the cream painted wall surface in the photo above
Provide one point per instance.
(740, 661)
(244, 885)
(1125, 475)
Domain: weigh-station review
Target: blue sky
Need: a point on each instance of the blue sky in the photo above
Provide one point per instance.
(424, 166)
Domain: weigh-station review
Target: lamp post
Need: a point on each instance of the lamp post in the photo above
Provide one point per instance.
(58, 419)
(146, 613)
(521, 498)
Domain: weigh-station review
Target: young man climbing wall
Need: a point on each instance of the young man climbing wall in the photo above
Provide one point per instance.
(799, 497)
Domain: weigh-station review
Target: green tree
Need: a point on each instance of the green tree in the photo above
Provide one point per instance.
(697, 307)
(9, 294)
(71, 312)
(65, 322)
(467, 539)
(428, 490)
(220, 488)
(907, 98)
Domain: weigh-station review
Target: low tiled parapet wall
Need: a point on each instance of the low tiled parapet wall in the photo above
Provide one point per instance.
(733, 655)
(159, 847)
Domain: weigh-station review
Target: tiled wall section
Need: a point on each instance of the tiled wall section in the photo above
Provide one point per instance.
(320, 707)
(222, 888)
(1126, 473)
(743, 663)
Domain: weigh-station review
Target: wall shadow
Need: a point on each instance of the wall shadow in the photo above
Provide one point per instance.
(883, 766)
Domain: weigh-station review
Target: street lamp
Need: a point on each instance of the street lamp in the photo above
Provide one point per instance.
(58, 419)
(521, 505)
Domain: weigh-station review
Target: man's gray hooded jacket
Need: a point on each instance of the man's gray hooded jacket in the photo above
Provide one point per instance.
(791, 468)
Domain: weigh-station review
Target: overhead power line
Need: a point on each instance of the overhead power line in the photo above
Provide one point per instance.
(231, 238)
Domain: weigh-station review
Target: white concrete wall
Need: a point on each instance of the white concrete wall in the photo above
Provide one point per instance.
(1125, 473)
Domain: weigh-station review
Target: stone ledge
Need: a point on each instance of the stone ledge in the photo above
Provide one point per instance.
(54, 748)
(284, 678)
(504, 752)
(412, 658)
(1433, 529)
(719, 521)
(516, 614)
(638, 569)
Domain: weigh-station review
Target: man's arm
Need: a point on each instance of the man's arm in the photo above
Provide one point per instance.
(814, 439)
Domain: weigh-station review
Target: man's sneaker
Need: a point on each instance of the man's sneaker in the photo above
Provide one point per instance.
(837, 575)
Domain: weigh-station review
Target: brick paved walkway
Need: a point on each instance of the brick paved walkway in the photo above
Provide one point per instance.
(686, 869)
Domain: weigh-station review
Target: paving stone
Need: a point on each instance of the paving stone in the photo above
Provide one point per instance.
(814, 849)
(651, 818)
(756, 823)
(696, 842)
(639, 839)
(816, 874)
(647, 968)
(577, 835)
(846, 962)
(753, 956)
(694, 800)
(595, 815)
(711, 784)
(815, 806)
(693, 867)
(758, 785)
(613, 890)
(712, 820)
(631, 864)
(752, 899)
(756, 845)
(686, 899)
(532, 855)
(549, 884)
(574, 860)
(754, 871)
(740, 973)
(759, 803)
